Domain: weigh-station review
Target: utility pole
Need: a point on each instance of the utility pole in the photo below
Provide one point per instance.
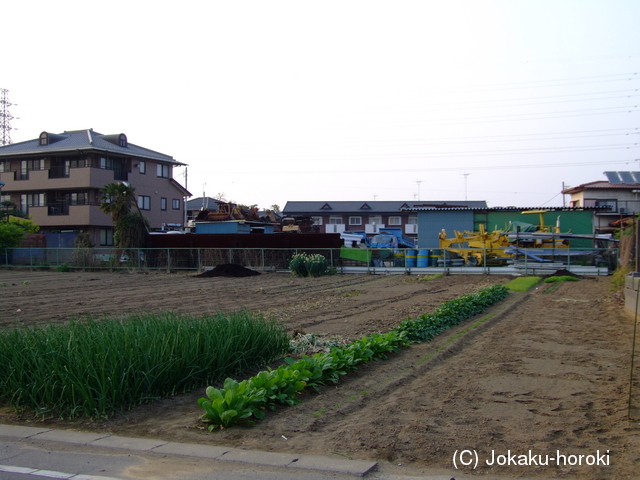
(418, 182)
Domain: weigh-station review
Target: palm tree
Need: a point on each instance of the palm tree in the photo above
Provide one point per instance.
(116, 200)
(129, 228)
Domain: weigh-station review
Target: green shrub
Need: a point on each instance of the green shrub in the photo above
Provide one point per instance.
(305, 265)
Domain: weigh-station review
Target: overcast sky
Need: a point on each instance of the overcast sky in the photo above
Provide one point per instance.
(274, 101)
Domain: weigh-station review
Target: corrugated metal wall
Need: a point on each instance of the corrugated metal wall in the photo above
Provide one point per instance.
(431, 223)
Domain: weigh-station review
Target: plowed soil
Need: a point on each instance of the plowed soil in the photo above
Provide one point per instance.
(545, 371)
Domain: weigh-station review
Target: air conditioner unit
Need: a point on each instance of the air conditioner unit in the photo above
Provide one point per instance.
(622, 210)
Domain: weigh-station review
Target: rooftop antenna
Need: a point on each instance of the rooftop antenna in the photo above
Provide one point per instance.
(418, 182)
(205, 204)
(5, 118)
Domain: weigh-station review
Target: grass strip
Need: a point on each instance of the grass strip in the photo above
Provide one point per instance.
(100, 367)
(522, 284)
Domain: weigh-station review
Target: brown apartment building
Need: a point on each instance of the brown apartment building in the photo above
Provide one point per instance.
(57, 178)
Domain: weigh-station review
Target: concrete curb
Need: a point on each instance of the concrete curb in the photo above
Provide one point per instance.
(304, 462)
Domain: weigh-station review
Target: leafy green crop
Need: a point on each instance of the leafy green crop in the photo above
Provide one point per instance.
(561, 278)
(451, 313)
(231, 404)
(281, 386)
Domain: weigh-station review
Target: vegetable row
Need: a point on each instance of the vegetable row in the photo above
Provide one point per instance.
(246, 401)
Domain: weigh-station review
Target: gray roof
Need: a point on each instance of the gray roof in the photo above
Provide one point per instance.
(196, 203)
(372, 207)
(85, 140)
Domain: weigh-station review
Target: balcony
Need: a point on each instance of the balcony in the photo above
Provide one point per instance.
(411, 229)
(373, 228)
(39, 180)
(335, 228)
(65, 215)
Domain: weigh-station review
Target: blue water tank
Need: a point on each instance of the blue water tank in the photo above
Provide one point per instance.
(411, 258)
(423, 258)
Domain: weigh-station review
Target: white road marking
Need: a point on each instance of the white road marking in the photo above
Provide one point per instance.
(52, 474)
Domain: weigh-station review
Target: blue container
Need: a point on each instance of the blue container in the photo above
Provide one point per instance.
(423, 258)
(411, 258)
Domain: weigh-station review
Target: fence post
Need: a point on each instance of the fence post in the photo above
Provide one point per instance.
(199, 261)
(168, 260)
(484, 261)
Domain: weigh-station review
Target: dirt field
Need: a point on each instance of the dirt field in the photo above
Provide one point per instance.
(545, 371)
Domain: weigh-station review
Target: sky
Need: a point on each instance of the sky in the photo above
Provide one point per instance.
(269, 102)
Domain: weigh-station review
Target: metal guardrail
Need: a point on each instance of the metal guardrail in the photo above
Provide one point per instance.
(587, 261)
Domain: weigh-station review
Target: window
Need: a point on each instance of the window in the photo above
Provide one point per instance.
(608, 203)
(5, 165)
(175, 204)
(78, 198)
(317, 220)
(32, 199)
(333, 220)
(164, 171)
(163, 203)
(395, 220)
(144, 202)
(377, 219)
(142, 167)
(122, 140)
(106, 237)
(355, 220)
(28, 165)
(44, 138)
(413, 220)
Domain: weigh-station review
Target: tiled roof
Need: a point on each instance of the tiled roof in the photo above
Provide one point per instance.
(83, 140)
(371, 207)
(601, 185)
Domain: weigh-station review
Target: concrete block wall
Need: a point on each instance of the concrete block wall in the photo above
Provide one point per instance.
(631, 287)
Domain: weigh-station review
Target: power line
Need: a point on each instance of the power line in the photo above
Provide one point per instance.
(370, 170)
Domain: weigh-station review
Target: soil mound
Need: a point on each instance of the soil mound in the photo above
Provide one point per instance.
(229, 270)
(564, 273)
